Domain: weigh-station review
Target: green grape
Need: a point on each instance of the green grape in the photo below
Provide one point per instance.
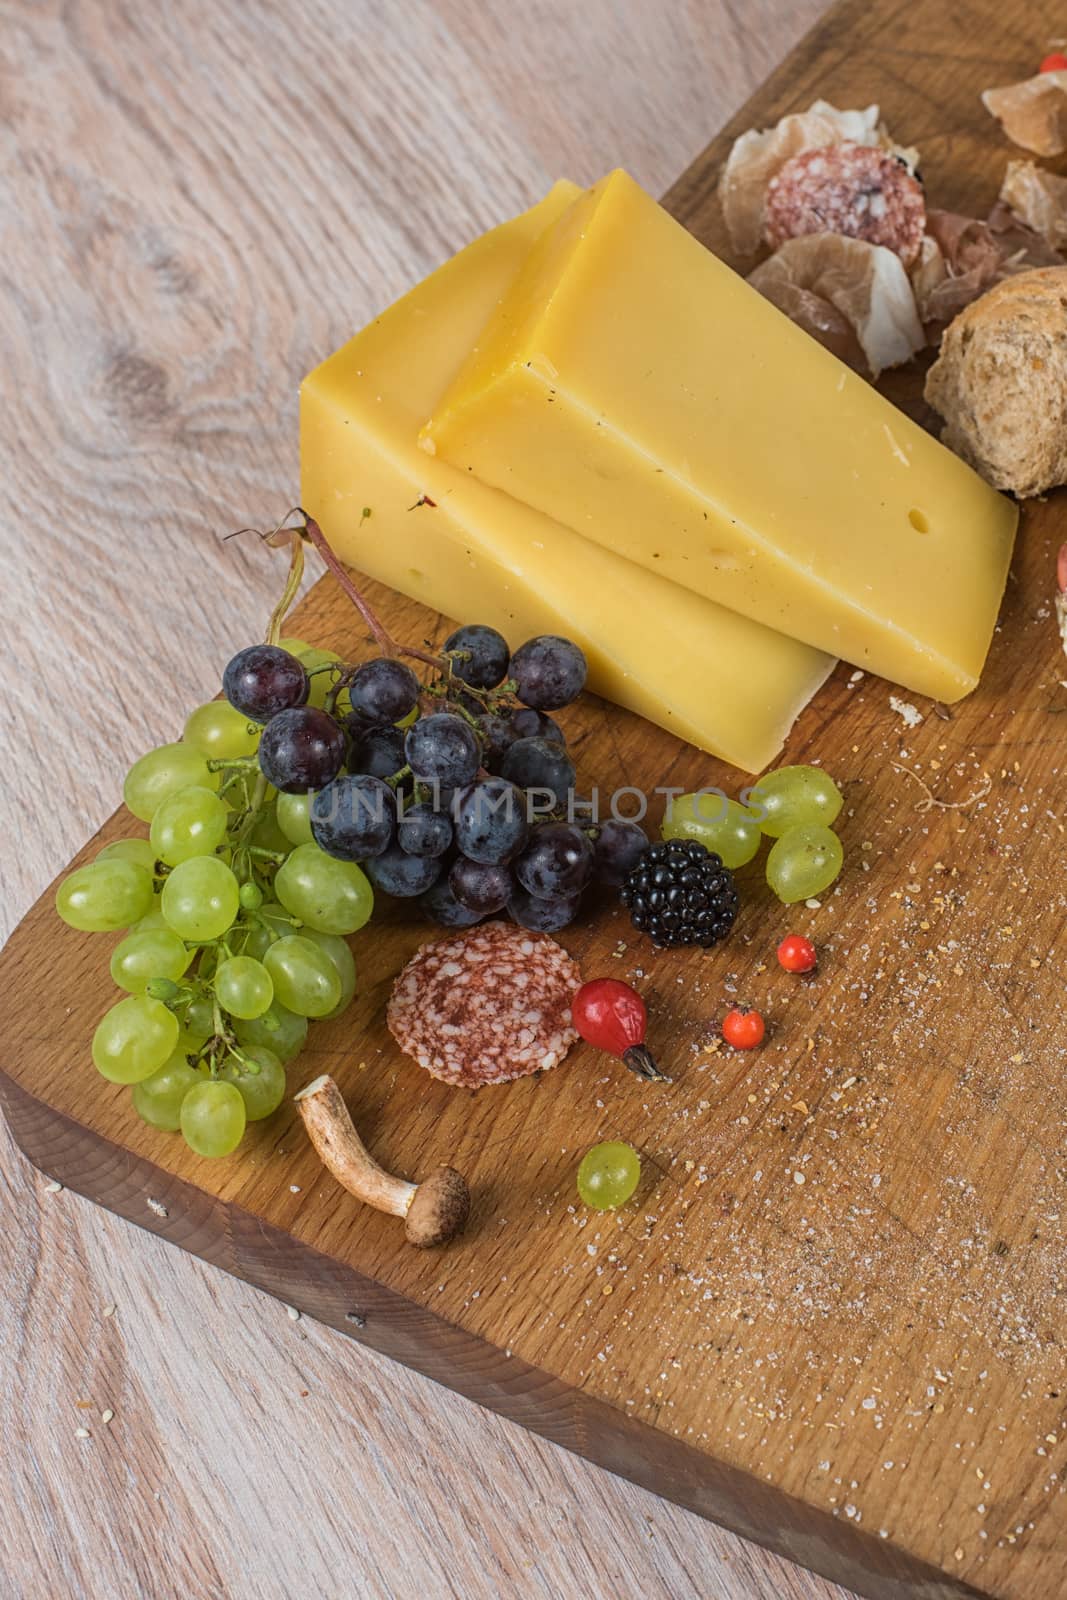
(305, 979)
(267, 833)
(292, 812)
(280, 1029)
(160, 773)
(322, 682)
(190, 1040)
(221, 733)
(262, 1091)
(332, 896)
(137, 850)
(270, 922)
(153, 918)
(158, 1100)
(213, 1118)
(251, 896)
(715, 822)
(608, 1175)
(146, 954)
(804, 862)
(199, 1019)
(339, 953)
(201, 898)
(791, 796)
(190, 822)
(134, 1039)
(105, 895)
(243, 987)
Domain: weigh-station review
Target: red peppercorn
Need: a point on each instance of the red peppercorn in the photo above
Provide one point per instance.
(1056, 62)
(797, 954)
(742, 1028)
(612, 1016)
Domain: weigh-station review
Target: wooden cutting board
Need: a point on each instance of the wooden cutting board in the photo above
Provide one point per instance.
(832, 1318)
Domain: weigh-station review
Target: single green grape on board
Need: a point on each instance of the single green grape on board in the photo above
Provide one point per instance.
(608, 1175)
(716, 822)
(804, 862)
(792, 796)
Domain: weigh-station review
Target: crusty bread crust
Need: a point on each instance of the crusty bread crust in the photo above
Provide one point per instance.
(1000, 383)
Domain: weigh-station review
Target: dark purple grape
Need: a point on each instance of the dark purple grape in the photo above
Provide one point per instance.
(301, 749)
(548, 672)
(490, 820)
(353, 818)
(498, 735)
(395, 872)
(480, 887)
(558, 861)
(422, 831)
(444, 748)
(618, 848)
(263, 680)
(442, 907)
(542, 915)
(487, 655)
(383, 690)
(540, 764)
(526, 723)
(378, 752)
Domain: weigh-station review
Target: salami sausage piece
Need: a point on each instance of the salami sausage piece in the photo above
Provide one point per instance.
(853, 189)
(490, 1005)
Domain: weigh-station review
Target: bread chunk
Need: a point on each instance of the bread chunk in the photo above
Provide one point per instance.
(1000, 383)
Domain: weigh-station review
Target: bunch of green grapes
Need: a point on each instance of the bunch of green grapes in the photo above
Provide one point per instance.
(235, 926)
(794, 806)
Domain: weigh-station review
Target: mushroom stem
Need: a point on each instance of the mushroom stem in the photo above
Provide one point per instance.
(434, 1211)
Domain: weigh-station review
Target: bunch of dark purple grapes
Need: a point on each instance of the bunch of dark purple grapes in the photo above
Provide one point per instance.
(458, 793)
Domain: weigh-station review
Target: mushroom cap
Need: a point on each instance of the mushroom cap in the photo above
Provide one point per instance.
(439, 1209)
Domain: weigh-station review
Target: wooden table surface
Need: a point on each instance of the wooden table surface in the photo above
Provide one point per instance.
(197, 202)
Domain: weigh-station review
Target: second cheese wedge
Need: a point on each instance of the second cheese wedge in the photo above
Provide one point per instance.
(634, 387)
(725, 684)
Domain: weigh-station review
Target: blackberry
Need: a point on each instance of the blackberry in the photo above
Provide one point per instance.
(680, 893)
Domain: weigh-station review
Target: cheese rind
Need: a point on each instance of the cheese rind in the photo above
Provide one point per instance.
(714, 678)
(634, 387)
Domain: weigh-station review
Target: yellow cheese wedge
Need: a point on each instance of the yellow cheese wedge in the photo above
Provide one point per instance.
(725, 684)
(634, 387)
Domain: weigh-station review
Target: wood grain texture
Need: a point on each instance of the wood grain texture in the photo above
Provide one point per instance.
(196, 201)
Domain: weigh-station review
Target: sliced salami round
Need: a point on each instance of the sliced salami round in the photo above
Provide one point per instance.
(489, 1005)
(857, 190)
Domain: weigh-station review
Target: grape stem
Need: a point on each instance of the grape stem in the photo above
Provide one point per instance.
(434, 1211)
(382, 637)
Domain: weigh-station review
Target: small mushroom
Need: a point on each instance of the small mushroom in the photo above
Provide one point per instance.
(434, 1211)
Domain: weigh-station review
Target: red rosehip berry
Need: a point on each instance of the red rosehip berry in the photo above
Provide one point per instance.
(742, 1028)
(612, 1016)
(797, 954)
